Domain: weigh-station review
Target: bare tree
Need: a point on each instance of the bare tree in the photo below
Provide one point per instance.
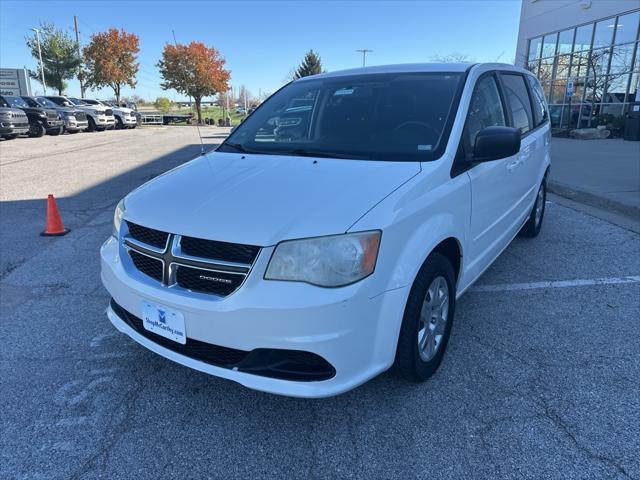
(453, 57)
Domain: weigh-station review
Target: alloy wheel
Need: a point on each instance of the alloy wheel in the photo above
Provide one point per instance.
(433, 318)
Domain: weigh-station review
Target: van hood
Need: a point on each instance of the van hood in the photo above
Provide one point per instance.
(263, 199)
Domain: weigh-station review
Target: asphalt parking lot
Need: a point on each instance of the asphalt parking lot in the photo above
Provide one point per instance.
(541, 378)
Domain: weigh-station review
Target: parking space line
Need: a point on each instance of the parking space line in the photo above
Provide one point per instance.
(556, 284)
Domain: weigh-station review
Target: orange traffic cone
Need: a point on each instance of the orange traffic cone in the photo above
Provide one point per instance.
(54, 226)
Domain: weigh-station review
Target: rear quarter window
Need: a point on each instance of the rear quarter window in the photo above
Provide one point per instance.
(518, 101)
(540, 109)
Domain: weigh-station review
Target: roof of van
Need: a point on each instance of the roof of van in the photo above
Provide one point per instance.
(408, 68)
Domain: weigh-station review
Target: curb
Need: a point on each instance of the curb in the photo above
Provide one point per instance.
(594, 200)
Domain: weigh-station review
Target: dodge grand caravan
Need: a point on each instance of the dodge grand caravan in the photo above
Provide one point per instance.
(328, 238)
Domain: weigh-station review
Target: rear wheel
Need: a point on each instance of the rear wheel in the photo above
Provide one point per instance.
(36, 130)
(427, 320)
(532, 228)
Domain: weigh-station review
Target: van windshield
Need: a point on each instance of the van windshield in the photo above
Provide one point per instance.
(390, 116)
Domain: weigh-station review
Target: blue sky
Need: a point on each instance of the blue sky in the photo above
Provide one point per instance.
(263, 41)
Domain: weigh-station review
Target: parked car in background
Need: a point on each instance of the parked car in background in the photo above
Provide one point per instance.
(75, 120)
(125, 117)
(41, 120)
(102, 116)
(13, 121)
(306, 261)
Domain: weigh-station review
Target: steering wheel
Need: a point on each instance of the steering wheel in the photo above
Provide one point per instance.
(410, 123)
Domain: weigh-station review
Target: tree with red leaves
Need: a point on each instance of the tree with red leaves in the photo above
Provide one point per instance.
(110, 60)
(195, 70)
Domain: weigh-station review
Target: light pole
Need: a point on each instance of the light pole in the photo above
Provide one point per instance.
(364, 52)
(44, 85)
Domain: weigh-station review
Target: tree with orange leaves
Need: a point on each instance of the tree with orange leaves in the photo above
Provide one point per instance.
(195, 70)
(110, 60)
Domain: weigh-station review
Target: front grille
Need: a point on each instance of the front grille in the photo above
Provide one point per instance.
(214, 250)
(52, 115)
(147, 265)
(294, 365)
(208, 281)
(192, 264)
(147, 235)
(108, 112)
(80, 116)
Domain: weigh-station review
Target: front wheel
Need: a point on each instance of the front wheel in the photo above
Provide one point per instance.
(36, 130)
(92, 125)
(427, 320)
(56, 131)
(119, 123)
(532, 228)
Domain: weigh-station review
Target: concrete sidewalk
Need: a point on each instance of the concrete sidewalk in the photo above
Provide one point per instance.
(602, 173)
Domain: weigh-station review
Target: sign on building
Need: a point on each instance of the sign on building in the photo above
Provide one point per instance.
(570, 87)
(14, 81)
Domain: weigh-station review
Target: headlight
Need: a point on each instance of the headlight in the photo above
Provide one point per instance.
(332, 261)
(117, 218)
(98, 112)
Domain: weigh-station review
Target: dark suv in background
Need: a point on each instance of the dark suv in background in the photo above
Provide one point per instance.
(75, 120)
(41, 120)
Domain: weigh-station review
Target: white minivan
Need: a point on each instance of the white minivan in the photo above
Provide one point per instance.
(328, 238)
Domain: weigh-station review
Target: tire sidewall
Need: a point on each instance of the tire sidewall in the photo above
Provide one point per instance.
(408, 356)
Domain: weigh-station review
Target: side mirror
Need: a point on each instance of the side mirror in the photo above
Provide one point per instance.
(493, 143)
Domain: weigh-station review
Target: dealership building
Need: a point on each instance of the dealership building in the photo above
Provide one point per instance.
(585, 53)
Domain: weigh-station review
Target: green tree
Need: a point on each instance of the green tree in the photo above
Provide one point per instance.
(59, 56)
(311, 65)
(163, 104)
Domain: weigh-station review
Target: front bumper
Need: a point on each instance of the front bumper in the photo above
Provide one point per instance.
(129, 121)
(71, 124)
(105, 122)
(354, 333)
(54, 124)
(11, 128)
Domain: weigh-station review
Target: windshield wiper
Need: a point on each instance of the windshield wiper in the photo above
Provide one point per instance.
(241, 148)
(301, 152)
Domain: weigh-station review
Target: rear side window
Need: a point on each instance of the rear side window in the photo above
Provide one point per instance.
(540, 113)
(485, 109)
(518, 101)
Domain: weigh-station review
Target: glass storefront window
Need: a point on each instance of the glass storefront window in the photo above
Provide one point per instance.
(634, 88)
(562, 66)
(621, 58)
(565, 41)
(546, 69)
(583, 37)
(636, 65)
(598, 61)
(579, 64)
(559, 91)
(627, 27)
(549, 45)
(616, 88)
(533, 66)
(604, 33)
(535, 44)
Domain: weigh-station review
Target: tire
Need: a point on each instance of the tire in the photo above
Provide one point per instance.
(36, 130)
(531, 229)
(56, 131)
(417, 359)
(119, 123)
(72, 132)
(92, 125)
(11, 136)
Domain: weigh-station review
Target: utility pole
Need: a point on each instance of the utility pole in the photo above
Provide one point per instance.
(44, 84)
(364, 52)
(75, 23)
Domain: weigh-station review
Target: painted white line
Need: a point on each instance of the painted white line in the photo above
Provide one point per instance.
(505, 287)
